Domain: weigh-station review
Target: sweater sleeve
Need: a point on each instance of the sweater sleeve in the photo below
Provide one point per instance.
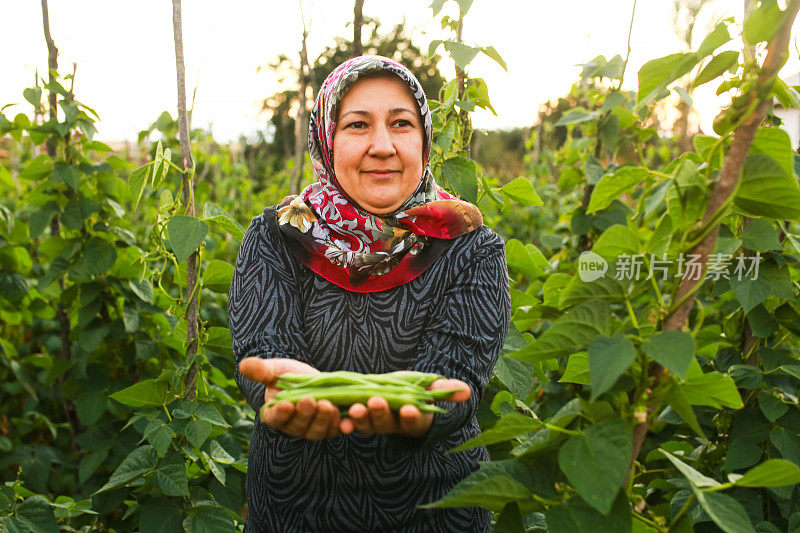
(463, 339)
(264, 309)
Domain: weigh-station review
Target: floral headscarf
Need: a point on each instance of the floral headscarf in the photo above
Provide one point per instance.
(332, 235)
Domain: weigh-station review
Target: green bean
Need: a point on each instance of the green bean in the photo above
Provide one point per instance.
(344, 388)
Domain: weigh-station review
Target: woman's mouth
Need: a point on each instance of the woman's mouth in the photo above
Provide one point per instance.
(381, 174)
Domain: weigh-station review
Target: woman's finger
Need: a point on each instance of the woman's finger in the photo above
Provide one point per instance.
(359, 414)
(346, 426)
(305, 410)
(278, 415)
(267, 370)
(336, 420)
(458, 396)
(381, 416)
(414, 423)
(318, 429)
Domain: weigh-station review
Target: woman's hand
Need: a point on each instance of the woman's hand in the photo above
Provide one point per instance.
(376, 417)
(308, 419)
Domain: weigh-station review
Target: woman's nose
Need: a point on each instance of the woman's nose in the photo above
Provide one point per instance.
(382, 144)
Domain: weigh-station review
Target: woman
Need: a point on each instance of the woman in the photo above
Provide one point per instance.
(371, 269)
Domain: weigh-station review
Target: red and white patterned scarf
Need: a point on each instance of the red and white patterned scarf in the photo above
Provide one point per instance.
(332, 235)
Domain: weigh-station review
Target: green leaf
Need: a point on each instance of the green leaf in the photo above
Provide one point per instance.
(766, 190)
(159, 435)
(676, 399)
(147, 393)
(655, 75)
(33, 95)
(510, 520)
(492, 53)
(582, 287)
(139, 462)
(771, 473)
(519, 259)
(787, 443)
(593, 169)
(695, 478)
(186, 234)
(219, 454)
(197, 431)
(726, 512)
(671, 349)
(772, 407)
(142, 288)
(136, 182)
(712, 389)
(787, 96)
(577, 517)
(90, 406)
(37, 168)
(596, 461)
(775, 143)
(66, 173)
(462, 175)
(760, 235)
(521, 190)
(577, 370)
(509, 427)
(209, 413)
(762, 22)
(98, 256)
(617, 240)
(217, 276)
(170, 476)
(576, 116)
(515, 375)
(436, 42)
(491, 492)
(41, 218)
(462, 54)
(209, 519)
(611, 186)
(718, 64)
(219, 340)
(219, 216)
(160, 515)
(90, 463)
(718, 36)
(741, 454)
(609, 358)
(750, 292)
(36, 515)
(569, 333)
(217, 471)
(661, 237)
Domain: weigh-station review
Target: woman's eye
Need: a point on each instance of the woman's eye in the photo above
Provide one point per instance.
(403, 123)
(357, 125)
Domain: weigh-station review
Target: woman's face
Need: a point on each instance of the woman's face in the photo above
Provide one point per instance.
(377, 145)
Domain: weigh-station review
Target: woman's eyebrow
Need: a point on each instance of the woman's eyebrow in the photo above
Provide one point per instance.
(363, 113)
(398, 110)
(355, 112)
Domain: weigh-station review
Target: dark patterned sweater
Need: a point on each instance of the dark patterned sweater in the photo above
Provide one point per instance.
(451, 320)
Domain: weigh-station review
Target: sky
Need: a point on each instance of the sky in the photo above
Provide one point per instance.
(126, 63)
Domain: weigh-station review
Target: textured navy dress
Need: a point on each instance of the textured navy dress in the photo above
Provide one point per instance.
(451, 320)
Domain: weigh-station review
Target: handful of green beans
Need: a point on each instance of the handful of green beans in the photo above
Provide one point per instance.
(344, 389)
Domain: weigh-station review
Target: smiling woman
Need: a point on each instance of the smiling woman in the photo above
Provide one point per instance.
(371, 269)
(378, 144)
